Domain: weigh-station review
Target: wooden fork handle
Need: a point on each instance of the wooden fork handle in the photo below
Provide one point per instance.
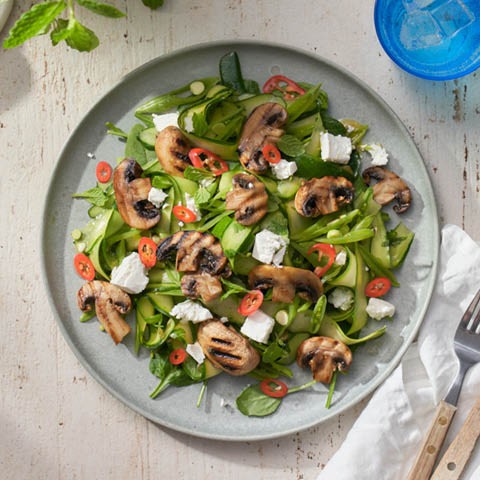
(456, 457)
(432, 443)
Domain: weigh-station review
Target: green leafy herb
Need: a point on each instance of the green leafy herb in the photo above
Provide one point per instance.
(101, 8)
(114, 130)
(153, 4)
(290, 145)
(168, 374)
(254, 403)
(95, 196)
(43, 16)
(134, 148)
(202, 196)
(34, 22)
(232, 289)
(197, 174)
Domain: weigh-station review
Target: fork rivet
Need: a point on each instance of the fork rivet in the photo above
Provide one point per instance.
(442, 420)
(431, 449)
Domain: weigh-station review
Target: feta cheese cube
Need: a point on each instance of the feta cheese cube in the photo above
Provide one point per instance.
(196, 352)
(157, 196)
(258, 326)
(378, 153)
(165, 120)
(191, 205)
(283, 169)
(269, 247)
(378, 308)
(190, 311)
(335, 148)
(130, 275)
(341, 258)
(342, 298)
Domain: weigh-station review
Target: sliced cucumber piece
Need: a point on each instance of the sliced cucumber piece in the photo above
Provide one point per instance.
(251, 103)
(380, 247)
(401, 245)
(148, 137)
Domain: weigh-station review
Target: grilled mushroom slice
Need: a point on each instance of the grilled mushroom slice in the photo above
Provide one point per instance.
(248, 198)
(320, 196)
(323, 355)
(110, 303)
(172, 149)
(226, 348)
(197, 252)
(389, 187)
(264, 125)
(201, 285)
(131, 194)
(286, 281)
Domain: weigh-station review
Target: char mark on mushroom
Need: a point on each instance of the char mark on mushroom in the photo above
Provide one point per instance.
(172, 149)
(131, 194)
(321, 196)
(389, 187)
(324, 355)
(110, 303)
(286, 282)
(226, 348)
(196, 252)
(201, 285)
(264, 125)
(248, 198)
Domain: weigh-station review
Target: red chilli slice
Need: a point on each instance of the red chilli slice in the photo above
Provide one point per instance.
(178, 356)
(103, 172)
(84, 266)
(273, 388)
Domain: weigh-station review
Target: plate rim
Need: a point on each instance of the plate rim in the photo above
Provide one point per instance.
(394, 362)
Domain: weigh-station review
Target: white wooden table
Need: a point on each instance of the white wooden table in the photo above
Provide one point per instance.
(56, 422)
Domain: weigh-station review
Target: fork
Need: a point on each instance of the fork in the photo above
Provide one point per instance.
(467, 349)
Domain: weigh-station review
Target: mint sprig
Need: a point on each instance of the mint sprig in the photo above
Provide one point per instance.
(50, 17)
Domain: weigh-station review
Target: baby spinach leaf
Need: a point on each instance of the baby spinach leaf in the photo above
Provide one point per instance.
(134, 148)
(254, 403)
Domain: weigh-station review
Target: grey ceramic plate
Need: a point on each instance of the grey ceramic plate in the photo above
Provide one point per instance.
(125, 375)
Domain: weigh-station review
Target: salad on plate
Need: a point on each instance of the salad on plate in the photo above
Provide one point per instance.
(245, 231)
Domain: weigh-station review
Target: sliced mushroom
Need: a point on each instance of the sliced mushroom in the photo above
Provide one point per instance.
(110, 303)
(320, 196)
(286, 282)
(197, 252)
(264, 125)
(248, 198)
(201, 285)
(172, 149)
(226, 348)
(131, 194)
(389, 187)
(323, 355)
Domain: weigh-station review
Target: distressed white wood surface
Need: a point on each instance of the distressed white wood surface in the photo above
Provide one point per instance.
(55, 421)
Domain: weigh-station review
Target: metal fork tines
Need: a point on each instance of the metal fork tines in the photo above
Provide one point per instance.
(467, 346)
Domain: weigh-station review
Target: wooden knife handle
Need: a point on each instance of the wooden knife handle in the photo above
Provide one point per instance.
(432, 443)
(456, 457)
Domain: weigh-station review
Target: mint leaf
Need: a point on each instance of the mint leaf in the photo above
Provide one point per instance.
(80, 37)
(202, 196)
(101, 8)
(60, 32)
(291, 146)
(113, 130)
(95, 196)
(153, 4)
(34, 22)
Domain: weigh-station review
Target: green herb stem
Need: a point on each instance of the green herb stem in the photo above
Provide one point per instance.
(302, 387)
(201, 394)
(331, 390)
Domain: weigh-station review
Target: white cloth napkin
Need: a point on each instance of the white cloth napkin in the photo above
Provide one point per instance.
(386, 437)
